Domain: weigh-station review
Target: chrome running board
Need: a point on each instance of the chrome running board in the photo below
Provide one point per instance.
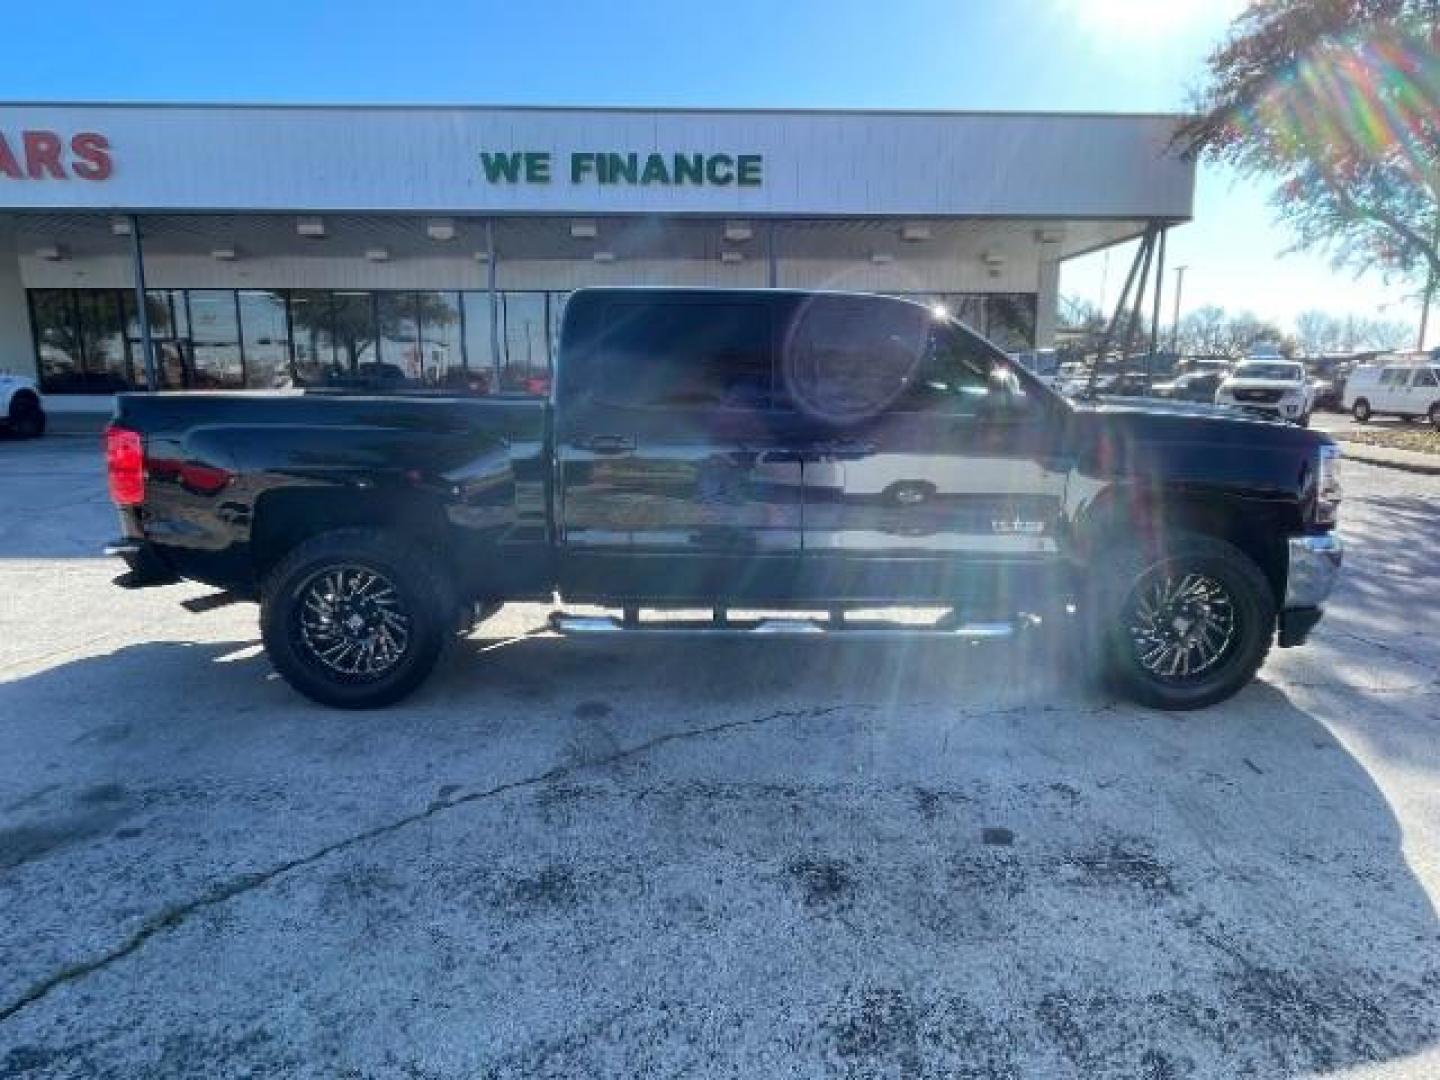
(563, 623)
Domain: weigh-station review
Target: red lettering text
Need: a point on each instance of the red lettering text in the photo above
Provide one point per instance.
(8, 165)
(42, 155)
(92, 153)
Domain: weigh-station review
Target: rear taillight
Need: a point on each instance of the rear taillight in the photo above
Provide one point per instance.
(125, 465)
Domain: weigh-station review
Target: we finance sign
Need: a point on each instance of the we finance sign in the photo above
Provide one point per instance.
(628, 168)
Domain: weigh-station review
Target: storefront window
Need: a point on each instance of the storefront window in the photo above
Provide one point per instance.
(170, 332)
(102, 330)
(355, 335)
(1010, 320)
(399, 338)
(57, 341)
(265, 339)
(312, 326)
(479, 354)
(524, 343)
(442, 359)
(215, 332)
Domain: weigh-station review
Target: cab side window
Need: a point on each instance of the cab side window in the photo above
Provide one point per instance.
(1425, 377)
(685, 355)
(957, 376)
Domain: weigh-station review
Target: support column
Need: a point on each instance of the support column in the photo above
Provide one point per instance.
(142, 309)
(494, 303)
(17, 341)
(771, 258)
(1047, 303)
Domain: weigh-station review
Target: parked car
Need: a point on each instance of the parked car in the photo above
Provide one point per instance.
(22, 409)
(1192, 386)
(1275, 388)
(1411, 391)
(728, 449)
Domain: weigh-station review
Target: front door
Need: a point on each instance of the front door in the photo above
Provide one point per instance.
(939, 478)
(678, 477)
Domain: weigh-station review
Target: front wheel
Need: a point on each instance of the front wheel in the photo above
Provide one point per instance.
(1434, 415)
(1185, 626)
(355, 618)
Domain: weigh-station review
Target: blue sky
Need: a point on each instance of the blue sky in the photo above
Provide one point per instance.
(1103, 55)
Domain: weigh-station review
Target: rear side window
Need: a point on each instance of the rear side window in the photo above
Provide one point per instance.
(1393, 377)
(685, 355)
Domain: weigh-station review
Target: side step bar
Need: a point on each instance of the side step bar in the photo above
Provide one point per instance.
(949, 628)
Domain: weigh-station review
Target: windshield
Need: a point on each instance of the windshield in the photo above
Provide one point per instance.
(1275, 371)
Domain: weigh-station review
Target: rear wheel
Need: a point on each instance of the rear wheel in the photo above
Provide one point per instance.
(1361, 410)
(355, 618)
(27, 418)
(1187, 625)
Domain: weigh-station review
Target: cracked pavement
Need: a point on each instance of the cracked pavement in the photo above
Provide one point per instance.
(649, 858)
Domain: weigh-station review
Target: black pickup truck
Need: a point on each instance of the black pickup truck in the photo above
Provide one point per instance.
(762, 450)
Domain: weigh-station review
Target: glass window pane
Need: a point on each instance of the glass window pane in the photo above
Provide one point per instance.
(557, 317)
(312, 326)
(354, 331)
(441, 359)
(524, 343)
(267, 349)
(102, 330)
(707, 355)
(1010, 320)
(954, 377)
(216, 340)
(399, 338)
(57, 341)
(479, 359)
(169, 330)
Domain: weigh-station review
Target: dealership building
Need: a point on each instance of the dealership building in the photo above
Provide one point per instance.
(280, 245)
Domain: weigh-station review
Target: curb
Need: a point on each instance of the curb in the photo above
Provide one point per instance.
(1356, 451)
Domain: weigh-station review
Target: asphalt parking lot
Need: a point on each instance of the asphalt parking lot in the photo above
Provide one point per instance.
(578, 858)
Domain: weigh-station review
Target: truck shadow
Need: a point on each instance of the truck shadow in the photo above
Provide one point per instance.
(918, 860)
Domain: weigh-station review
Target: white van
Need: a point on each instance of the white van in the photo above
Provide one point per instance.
(1408, 390)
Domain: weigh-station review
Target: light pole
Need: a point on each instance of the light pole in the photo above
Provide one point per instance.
(1175, 319)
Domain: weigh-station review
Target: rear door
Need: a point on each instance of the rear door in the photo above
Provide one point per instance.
(679, 479)
(1389, 395)
(939, 477)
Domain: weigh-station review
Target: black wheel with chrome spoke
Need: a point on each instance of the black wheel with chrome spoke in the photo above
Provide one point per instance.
(355, 617)
(1181, 624)
(353, 621)
(1185, 625)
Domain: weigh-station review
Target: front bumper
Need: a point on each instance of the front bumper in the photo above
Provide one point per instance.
(1280, 410)
(1314, 566)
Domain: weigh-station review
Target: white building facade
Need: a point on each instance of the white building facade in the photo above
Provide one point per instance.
(283, 245)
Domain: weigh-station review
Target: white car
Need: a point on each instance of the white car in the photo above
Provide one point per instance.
(22, 412)
(1274, 388)
(1407, 390)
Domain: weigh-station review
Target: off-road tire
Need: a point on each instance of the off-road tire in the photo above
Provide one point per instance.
(1112, 604)
(412, 570)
